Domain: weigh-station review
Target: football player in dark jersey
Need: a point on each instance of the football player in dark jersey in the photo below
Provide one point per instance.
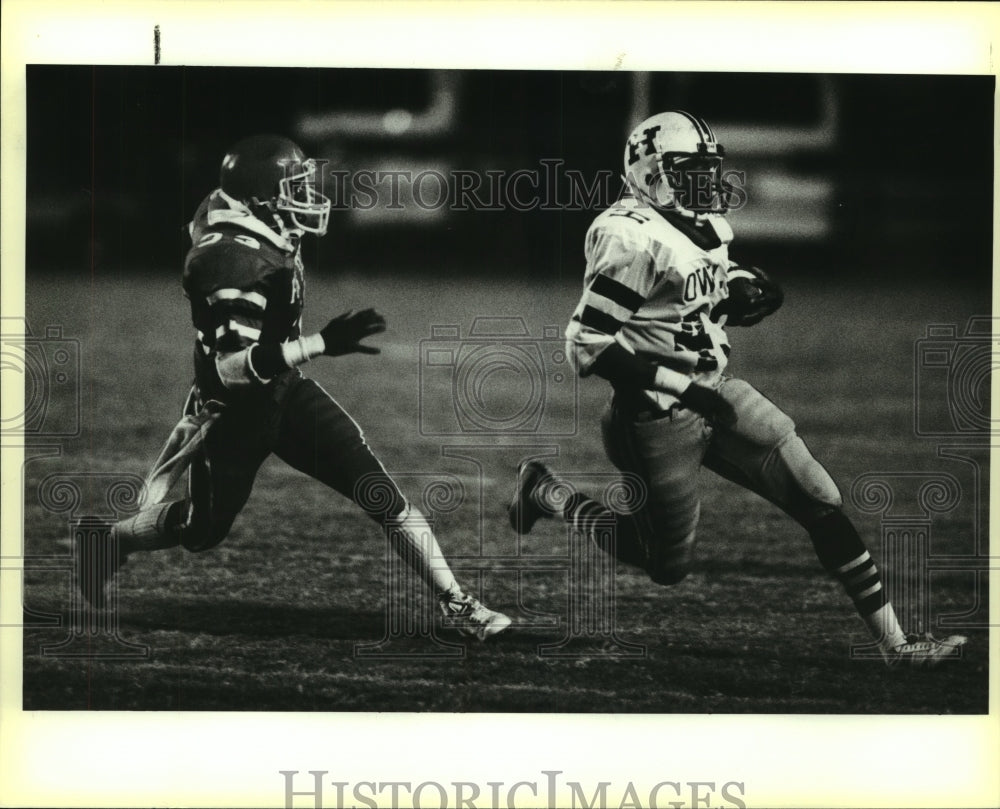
(244, 279)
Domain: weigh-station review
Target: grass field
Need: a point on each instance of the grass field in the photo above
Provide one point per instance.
(272, 618)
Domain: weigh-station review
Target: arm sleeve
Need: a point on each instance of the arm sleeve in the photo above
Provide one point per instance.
(238, 317)
(229, 297)
(623, 369)
(620, 276)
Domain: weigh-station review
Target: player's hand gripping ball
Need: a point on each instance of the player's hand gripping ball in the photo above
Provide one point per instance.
(344, 333)
(752, 297)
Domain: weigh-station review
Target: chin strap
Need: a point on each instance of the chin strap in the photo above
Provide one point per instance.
(707, 231)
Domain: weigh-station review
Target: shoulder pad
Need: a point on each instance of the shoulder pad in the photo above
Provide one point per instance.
(629, 223)
(228, 259)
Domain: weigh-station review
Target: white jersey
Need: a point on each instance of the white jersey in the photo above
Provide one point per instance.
(650, 285)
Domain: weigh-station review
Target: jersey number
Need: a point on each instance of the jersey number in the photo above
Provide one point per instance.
(692, 337)
(239, 238)
(208, 238)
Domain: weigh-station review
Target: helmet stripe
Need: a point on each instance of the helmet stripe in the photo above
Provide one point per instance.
(698, 124)
(704, 130)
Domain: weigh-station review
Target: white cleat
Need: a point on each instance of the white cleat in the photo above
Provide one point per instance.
(925, 650)
(471, 617)
(524, 509)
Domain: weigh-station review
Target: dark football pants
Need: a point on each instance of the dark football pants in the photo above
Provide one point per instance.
(310, 432)
(762, 453)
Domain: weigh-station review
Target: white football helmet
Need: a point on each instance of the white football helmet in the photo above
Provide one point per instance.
(674, 162)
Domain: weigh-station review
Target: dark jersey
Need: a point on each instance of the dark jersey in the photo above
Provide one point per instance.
(244, 288)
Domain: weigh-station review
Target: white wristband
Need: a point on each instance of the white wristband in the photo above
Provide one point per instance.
(670, 381)
(302, 350)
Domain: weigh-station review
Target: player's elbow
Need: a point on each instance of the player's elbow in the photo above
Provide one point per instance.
(582, 352)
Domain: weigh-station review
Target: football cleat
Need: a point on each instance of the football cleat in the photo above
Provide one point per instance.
(525, 509)
(98, 559)
(925, 651)
(471, 617)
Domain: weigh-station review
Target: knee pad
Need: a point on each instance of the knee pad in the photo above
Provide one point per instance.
(761, 422)
(814, 492)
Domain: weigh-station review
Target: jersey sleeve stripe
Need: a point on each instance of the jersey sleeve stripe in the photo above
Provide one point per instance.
(608, 307)
(599, 321)
(737, 272)
(617, 292)
(200, 342)
(238, 328)
(237, 294)
(253, 370)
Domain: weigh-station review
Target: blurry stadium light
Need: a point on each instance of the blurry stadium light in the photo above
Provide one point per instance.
(768, 124)
(743, 138)
(437, 118)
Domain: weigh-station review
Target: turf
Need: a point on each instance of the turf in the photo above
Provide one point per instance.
(275, 618)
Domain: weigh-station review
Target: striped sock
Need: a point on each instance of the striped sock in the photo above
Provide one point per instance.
(844, 555)
(609, 531)
(152, 529)
(860, 578)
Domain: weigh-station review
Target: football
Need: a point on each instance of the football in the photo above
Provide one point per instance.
(752, 297)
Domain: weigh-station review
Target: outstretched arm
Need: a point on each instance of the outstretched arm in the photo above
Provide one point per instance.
(625, 370)
(342, 335)
(625, 276)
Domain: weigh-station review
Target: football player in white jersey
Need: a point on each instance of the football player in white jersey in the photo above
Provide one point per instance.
(659, 290)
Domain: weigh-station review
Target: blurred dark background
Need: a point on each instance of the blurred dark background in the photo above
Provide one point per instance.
(852, 173)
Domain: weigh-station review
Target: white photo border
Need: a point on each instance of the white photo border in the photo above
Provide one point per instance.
(233, 759)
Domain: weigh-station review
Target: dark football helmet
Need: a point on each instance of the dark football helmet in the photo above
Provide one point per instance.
(272, 176)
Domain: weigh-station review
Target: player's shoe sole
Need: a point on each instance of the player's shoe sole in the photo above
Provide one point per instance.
(470, 617)
(524, 510)
(925, 651)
